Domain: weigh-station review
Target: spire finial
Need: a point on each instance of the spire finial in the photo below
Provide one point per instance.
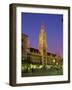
(42, 25)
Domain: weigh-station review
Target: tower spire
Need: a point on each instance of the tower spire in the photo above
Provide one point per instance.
(43, 44)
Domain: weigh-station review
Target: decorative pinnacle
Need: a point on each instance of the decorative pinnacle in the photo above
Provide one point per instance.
(42, 26)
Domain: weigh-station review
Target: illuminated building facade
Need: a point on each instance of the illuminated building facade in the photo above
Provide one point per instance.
(40, 55)
(43, 44)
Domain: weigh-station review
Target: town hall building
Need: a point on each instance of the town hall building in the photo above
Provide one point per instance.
(38, 55)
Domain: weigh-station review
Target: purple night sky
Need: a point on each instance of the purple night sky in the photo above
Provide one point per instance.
(31, 24)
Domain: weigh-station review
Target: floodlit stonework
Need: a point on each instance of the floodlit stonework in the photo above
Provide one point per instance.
(40, 55)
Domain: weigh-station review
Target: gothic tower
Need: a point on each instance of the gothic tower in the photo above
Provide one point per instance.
(43, 45)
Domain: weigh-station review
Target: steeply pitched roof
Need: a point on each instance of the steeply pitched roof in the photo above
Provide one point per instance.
(37, 51)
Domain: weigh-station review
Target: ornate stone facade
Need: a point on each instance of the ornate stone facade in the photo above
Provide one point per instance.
(43, 44)
(40, 55)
